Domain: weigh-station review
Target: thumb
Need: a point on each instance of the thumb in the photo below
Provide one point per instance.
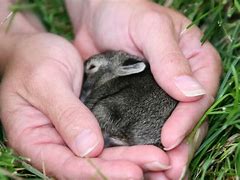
(154, 34)
(76, 125)
(69, 116)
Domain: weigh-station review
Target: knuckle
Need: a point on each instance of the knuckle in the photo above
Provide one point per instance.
(154, 17)
(69, 119)
(172, 57)
(173, 63)
(70, 112)
(151, 21)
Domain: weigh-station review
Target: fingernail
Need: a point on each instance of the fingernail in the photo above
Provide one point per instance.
(86, 141)
(156, 166)
(178, 141)
(189, 86)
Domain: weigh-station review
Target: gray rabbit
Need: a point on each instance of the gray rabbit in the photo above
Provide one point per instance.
(123, 95)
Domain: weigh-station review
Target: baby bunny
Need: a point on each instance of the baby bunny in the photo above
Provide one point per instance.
(121, 92)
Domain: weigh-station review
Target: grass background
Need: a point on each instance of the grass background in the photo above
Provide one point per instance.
(219, 155)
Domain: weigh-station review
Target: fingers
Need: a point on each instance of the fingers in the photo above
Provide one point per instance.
(182, 121)
(179, 159)
(52, 84)
(77, 126)
(206, 67)
(62, 164)
(154, 33)
(55, 158)
(149, 158)
(204, 60)
(73, 121)
(32, 135)
(181, 156)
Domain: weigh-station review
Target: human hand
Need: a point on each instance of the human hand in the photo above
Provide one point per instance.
(182, 66)
(45, 121)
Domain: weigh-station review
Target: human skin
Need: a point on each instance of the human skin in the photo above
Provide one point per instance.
(42, 77)
(41, 112)
(182, 66)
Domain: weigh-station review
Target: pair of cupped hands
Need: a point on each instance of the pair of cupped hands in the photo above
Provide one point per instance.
(40, 108)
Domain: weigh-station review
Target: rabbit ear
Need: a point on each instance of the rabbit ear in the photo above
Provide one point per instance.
(125, 70)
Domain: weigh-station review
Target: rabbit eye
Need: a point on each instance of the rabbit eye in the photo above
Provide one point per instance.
(92, 67)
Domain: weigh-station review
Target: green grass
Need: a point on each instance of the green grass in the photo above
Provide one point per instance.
(219, 155)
